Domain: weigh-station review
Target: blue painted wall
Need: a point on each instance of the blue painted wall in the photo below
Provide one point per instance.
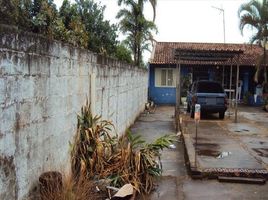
(167, 95)
(162, 95)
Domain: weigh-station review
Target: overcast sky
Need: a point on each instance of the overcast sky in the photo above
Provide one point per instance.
(190, 20)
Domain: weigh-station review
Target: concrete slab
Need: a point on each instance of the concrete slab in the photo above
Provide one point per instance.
(243, 128)
(212, 141)
(166, 190)
(212, 189)
(258, 147)
(175, 182)
(222, 146)
(257, 116)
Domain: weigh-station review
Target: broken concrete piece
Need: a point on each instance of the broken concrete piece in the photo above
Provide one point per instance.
(124, 191)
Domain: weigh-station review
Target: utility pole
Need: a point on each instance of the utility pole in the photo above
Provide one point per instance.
(223, 20)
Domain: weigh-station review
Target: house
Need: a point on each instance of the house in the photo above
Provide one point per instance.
(162, 68)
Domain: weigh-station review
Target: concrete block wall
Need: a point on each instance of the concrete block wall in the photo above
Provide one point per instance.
(43, 85)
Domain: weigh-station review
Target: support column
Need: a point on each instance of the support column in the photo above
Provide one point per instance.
(230, 87)
(178, 91)
(236, 90)
(223, 76)
(231, 76)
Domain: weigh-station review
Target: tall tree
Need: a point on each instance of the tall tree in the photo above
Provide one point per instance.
(43, 14)
(255, 15)
(70, 25)
(80, 23)
(102, 35)
(123, 53)
(153, 4)
(9, 11)
(136, 27)
(25, 18)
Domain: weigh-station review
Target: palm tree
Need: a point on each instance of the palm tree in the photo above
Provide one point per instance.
(153, 3)
(255, 15)
(138, 29)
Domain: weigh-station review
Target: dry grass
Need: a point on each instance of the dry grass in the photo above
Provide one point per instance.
(83, 189)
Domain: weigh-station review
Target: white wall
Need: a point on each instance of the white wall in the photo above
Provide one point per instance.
(43, 85)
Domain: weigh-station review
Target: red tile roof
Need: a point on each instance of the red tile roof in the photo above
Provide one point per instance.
(163, 52)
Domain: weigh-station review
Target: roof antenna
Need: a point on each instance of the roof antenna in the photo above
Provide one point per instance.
(223, 19)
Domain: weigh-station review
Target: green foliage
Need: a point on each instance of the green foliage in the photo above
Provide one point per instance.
(123, 53)
(254, 14)
(102, 34)
(80, 23)
(246, 97)
(43, 14)
(72, 28)
(137, 28)
(97, 154)
(185, 83)
(93, 134)
(9, 12)
(25, 18)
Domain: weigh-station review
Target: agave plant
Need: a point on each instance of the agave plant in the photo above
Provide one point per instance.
(93, 143)
(98, 153)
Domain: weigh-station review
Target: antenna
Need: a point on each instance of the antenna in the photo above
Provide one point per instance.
(223, 20)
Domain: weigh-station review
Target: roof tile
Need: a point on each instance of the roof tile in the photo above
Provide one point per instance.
(164, 52)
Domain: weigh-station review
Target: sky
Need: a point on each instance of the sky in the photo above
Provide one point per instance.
(190, 20)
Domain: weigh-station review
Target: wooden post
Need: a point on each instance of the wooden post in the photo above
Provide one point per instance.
(176, 71)
(230, 86)
(177, 81)
(223, 76)
(231, 76)
(236, 90)
(179, 86)
(178, 91)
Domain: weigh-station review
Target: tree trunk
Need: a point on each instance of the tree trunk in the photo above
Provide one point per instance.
(265, 67)
(139, 55)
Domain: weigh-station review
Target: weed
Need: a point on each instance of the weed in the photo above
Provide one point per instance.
(71, 189)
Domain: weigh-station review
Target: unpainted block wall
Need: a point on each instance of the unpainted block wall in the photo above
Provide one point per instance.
(43, 85)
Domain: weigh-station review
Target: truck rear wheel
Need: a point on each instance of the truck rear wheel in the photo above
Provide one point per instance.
(192, 112)
(221, 115)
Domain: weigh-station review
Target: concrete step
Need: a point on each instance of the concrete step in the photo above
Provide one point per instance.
(260, 181)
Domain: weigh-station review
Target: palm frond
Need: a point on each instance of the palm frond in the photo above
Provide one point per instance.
(138, 29)
(254, 14)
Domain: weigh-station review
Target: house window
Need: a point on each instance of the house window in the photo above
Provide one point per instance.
(165, 77)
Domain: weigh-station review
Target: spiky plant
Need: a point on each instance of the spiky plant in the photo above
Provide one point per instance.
(98, 155)
(93, 143)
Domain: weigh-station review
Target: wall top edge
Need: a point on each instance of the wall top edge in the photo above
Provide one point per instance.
(11, 37)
